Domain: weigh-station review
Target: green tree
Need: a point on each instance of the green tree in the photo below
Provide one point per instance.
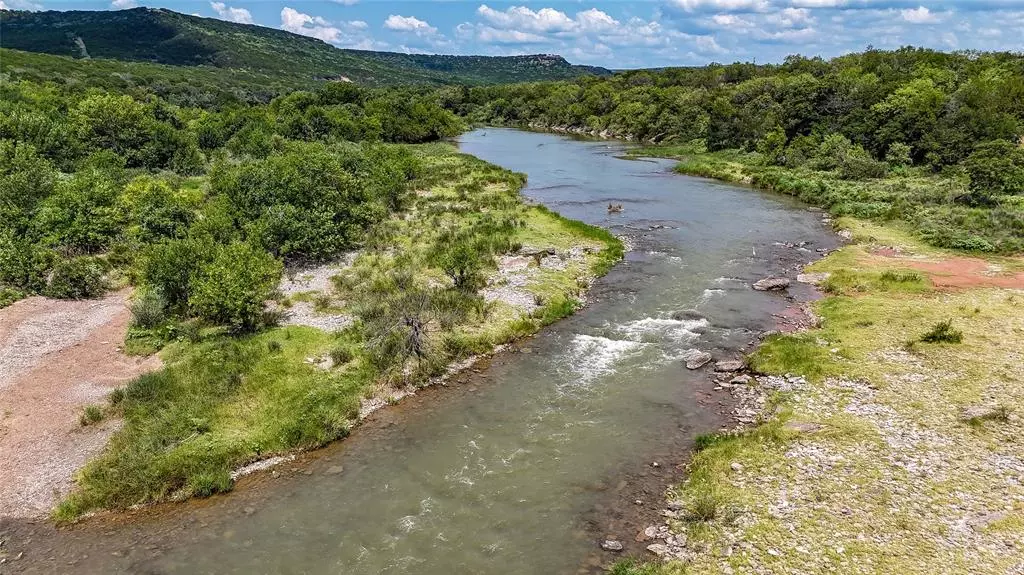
(995, 169)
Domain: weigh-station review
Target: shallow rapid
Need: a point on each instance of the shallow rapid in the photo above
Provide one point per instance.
(514, 469)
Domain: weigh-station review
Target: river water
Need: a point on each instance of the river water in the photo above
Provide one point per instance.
(518, 468)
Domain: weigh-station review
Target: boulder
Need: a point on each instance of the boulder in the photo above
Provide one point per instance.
(696, 359)
(740, 380)
(771, 284)
(729, 366)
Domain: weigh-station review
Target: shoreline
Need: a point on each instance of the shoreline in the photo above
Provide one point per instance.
(583, 268)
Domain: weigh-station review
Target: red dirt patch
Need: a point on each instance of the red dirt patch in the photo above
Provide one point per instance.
(55, 358)
(961, 272)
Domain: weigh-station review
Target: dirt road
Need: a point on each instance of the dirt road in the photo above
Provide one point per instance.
(55, 358)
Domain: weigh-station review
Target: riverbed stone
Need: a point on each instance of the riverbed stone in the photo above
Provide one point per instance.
(334, 470)
(611, 545)
(729, 366)
(813, 278)
(696, 359)
(771, 284)
(658, 549)
(740, 380)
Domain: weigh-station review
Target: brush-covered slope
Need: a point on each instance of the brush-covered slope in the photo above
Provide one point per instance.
(167, 37)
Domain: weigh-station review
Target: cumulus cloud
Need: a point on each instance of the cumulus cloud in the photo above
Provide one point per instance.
(545, 20)
(408, 24)
(722, 5)
(352, 34)
(919, 15)
(121, 4)
(225, 12)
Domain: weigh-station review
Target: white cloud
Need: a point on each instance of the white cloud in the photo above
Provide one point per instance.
(314, 26)
(919, 15)
(522, 18)
(225, 12)
(722, 5)
(20, 5)
(818, 3)
(408, 24)
(123, 4)
(346, 2)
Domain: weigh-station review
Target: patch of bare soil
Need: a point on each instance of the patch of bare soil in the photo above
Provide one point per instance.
(961, 272)
(56, 357)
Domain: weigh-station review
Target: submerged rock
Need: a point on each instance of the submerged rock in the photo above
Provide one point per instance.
(687, 315)
(611, 545)
(696, 359)
(771, 284)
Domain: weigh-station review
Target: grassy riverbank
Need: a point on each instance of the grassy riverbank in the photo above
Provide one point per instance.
(899, 450)
(409, 303)
(931, 205)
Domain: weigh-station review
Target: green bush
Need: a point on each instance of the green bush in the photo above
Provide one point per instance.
(81, 216)
(90, 415)
(943, 332)
(154, 210)
(232, 288)
(148, 309)
(170, 268)
(76, 278)
(341, 355)
(773, 147)
(898, 155)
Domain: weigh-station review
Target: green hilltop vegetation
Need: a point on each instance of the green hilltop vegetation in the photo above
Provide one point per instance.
(282, 58)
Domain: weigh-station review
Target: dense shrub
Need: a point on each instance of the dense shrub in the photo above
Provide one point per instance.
(233, 287)
(26, 179)
(171, 266)
(81, 216)
(299, 203)
(154, 211)
(76, 278)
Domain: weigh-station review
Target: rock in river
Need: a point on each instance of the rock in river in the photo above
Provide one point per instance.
(611, 545)
(696, 359)
(687, 315)
(771, 284)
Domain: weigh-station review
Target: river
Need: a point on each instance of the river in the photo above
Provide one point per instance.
(525, 466)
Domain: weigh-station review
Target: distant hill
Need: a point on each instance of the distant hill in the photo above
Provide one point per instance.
(166, 37)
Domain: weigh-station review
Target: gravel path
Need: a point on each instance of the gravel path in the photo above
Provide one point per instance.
(55, 358)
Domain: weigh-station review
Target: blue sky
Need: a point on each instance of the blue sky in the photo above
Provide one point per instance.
(618, 33)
